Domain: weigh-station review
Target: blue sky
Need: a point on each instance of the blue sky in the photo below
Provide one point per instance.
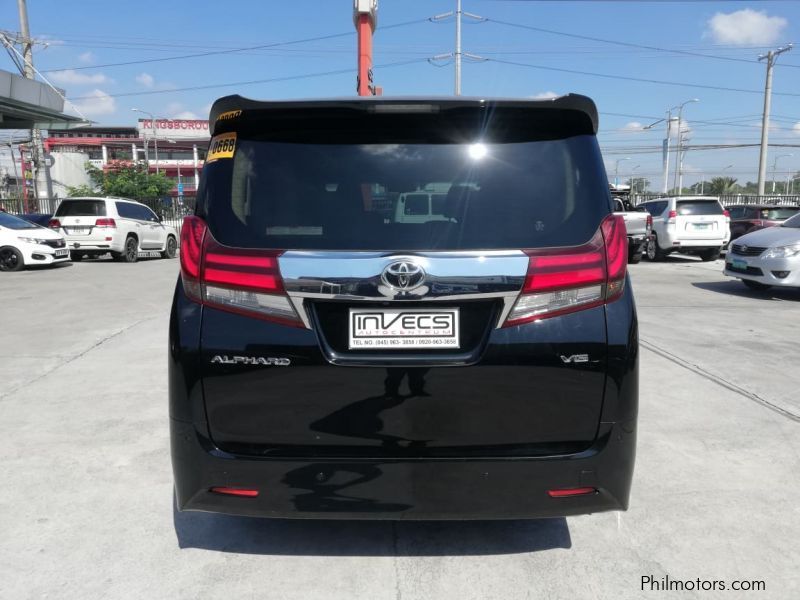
(85, 40)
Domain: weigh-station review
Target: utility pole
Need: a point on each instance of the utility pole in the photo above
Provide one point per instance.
(459, 54)
(771, 57)
(666, 152)
(41, 174)
(775, 168)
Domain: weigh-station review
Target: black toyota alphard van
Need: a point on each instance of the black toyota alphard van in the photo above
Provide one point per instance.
(328, 359)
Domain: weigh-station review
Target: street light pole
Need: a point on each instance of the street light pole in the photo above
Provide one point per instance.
(153, 127)
(679, 158)
(771, 57)
(775, 168)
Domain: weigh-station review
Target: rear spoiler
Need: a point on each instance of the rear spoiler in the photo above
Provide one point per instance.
(230, 111)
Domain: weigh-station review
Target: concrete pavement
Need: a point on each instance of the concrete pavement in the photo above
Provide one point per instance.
(86, 502)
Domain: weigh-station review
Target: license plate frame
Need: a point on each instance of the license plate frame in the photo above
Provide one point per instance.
(78, 231)
(390, 328)
(738, 263)
(61, 253)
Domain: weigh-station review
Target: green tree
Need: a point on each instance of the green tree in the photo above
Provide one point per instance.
(722, 186)
(125, 179)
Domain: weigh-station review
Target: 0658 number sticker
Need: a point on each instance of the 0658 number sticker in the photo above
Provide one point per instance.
(221, 146)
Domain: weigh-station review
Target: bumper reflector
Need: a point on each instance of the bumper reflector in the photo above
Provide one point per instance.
(565, 493)
(235, 492)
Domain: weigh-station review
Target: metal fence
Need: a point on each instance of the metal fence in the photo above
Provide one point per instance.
(731, 199)
(170, 210)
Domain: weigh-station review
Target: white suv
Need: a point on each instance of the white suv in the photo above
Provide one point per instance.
(95, 226)
(689, 225)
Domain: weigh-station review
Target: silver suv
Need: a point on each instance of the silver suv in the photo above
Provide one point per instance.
(96, 226)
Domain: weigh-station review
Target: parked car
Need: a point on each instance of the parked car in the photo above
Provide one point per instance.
(767, 257)
(328, 362)
(638, 225)
(696, 225)
(41, 219)
(745, 219)
(23, 243)
(97, 226)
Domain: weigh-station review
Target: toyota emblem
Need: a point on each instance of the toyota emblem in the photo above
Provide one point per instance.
(744, 248)
(403, 275)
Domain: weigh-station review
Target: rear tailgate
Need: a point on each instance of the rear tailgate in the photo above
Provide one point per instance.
(701, 219)
(78, 219)
(306, 184)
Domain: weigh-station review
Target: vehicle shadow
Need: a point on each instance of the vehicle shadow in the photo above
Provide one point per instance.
(312, 537)
(734, 287)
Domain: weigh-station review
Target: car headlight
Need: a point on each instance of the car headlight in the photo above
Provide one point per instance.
(782, 251)
(31, 240)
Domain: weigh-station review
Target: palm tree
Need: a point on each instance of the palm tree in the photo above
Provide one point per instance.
(722, 186)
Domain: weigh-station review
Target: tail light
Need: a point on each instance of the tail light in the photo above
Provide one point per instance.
(105, 223)
(758, 223)
(569, 492)
(649, 223)
(671, 216)
(238, 280)
(727, 214)
(54, 224)
(241, 492)
(565, 280)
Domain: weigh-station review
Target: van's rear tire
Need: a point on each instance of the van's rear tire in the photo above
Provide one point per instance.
(171, 248)
(654, 253)
(130, 253)
(710, 254)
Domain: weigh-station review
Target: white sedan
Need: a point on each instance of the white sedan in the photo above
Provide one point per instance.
(23, 243)
(767, 257)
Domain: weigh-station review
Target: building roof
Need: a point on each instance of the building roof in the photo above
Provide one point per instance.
(25, 103)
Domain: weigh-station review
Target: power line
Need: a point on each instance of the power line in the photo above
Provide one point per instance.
(619, 43)
(638, 79)
(252, 82)
(231, 50)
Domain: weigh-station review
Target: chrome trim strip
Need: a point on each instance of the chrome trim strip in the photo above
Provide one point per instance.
(449, 276)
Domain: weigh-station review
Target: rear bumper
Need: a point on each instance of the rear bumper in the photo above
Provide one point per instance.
(497, 488)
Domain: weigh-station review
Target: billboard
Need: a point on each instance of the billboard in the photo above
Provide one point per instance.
(178, 129)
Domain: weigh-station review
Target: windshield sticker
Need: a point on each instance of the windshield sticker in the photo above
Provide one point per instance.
(221, 146)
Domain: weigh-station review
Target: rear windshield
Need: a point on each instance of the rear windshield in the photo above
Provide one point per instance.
(699, 207)
(81, 208)
(314, 196)
(792, 222)
(778, 214)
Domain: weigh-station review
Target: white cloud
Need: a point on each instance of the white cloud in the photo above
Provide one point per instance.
(796, 128)
(70, 77)
(633, 126)
(173, 108)
(745, 27)
(186, 114)
(545, 95)
(145, 79)
(87, 57)
(97, 102)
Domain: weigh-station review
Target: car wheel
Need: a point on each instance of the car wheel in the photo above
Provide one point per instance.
(75, 256)
(131, 252)
(653, 252)
(755, 285)
(11, 259)
(171, 248)
(709, 255)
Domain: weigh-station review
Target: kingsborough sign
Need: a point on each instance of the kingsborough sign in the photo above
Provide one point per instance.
(175, 128)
